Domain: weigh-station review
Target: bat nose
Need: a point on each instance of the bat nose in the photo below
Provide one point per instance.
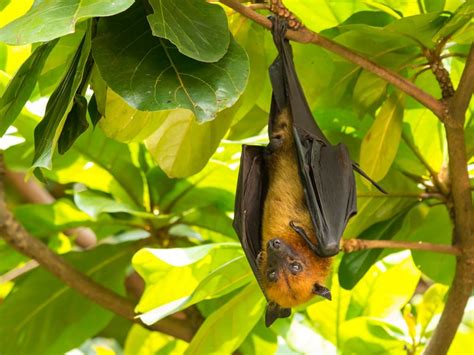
(274, 244)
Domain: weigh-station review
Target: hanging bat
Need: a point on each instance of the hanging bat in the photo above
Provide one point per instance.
(294, 197)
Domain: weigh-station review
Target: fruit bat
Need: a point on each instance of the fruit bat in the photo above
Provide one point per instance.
(294, 196)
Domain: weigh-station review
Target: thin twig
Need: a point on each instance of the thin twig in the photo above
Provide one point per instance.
(417, 195)
(307, 36)
(353, 245)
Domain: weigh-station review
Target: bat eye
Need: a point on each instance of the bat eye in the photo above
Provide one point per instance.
(295, 268)
(272, 276)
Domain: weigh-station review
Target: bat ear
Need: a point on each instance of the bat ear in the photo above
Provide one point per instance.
(273, 312)
(321, 291)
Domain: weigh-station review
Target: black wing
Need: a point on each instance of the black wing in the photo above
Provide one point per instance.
(326, 170)
(248, 210)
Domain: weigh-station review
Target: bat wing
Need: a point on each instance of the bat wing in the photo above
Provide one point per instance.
(249, 204)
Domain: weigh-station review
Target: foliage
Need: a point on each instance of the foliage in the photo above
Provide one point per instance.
(148, 104)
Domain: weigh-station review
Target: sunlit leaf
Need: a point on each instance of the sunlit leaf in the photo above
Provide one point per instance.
(47, 20)
(380, 144)
(230, 324)
(160, 268)
(141, 341)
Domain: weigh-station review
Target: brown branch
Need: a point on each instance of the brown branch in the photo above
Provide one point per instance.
(35, 193)
(307, 36)
(417, 195)
(463, 234)
(19, 239)
(353, 245)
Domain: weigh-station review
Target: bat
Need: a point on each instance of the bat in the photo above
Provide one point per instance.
(294, 197)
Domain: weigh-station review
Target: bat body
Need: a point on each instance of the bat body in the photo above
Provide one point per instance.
(291, 270)
(294, 197)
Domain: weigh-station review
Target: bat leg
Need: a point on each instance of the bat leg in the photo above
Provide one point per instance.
(303, 234)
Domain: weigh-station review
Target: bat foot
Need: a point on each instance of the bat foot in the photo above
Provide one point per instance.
(276, 142)
(302, 233)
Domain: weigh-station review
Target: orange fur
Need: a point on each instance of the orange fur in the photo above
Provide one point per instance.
(284, 203)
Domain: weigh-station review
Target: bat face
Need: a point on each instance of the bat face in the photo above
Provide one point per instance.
(290, 272)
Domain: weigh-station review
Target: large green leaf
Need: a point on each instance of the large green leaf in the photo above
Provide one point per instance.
(22, 85)
(198, 29)
(224, 279)
(181, 146)
(225, 329)
(460, 22)
(47, 20)
(49, 129)
(160, 268)
(385, 288)
(154, 76)
(430, 307)
(41, 304)
(380, 144)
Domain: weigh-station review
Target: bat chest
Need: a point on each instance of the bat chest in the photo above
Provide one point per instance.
(285, 199)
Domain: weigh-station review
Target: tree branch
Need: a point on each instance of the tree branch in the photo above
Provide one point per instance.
(463, 234)
(18, 238)
(353, 245)
(307, 36)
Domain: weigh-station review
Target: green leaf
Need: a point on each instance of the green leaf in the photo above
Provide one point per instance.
(154, 76)
(434, 5)
(369, 91)
(198, 29)
(75, 124)
(385, 288)
(366, 335)
(40, 298)
(94, 203)
(44, 220)
(420, 28)
(261, 340)
(353, 266)
(47, 20)
(181, 146)
(380, 144)
(22, 85)
(49, 129)
(460, 21)
(436, 229)
(430, 306)
(160, 268)
(225, 329)
(224, 279)
(142, 341)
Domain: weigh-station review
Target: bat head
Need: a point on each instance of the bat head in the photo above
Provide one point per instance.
(291, 275)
